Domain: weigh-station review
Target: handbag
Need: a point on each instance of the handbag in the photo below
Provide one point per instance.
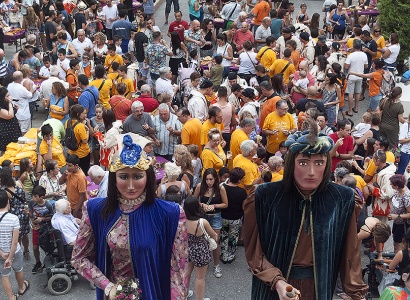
(227, 22)
(57, 109)
(212, 243)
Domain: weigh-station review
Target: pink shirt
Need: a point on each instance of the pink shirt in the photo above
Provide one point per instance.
(226, 116)
(241, 37)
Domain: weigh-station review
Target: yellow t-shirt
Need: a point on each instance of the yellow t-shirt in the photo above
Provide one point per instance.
(273, 122)
(251, 170)
(57, 151)
(268, 57)
(279, 65)
(371, 168)
(114, 77)
(208, 126)
(130, 87)
(360, 183)
(237, 137)
(191, 134)
(381, 43)
(105, 91)
(110, 59)
(213, 160)
(80, 134)
(276, 177)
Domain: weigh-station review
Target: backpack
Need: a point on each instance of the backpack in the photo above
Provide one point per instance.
(70, 141)
(388, 83)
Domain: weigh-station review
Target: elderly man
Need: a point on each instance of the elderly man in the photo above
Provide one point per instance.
(281, 41)
(191, 129)
(262, 33)
(19, 92)
(242, 35)
(99, 177)
(139, 122)
(45, 87)
(197, 104)
(214, 121)
(163, 85)
(156, 55)
(241, 18)
(83, 44)
(267, 55)
(244, 161)
(64, 221)
(275, 164)
(192, 36)
(168, 129)
(277, 127)
(150, 104)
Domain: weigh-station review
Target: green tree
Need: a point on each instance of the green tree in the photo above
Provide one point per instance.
(394, 17)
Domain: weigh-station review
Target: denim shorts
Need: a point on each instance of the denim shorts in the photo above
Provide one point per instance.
(215, 220)
(17, 264)
(375, 101)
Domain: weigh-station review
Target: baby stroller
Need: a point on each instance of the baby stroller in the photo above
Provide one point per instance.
(375, 271)
(60, 273)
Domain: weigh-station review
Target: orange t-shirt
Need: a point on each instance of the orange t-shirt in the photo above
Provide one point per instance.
(261, 10)
(295, 56)
(191, 134)
(73, 80)
(268, 107)
(375, 83)
(76, 185)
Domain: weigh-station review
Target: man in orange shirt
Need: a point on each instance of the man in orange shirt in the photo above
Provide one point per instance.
(191, 129)
(72, 80)
(270, 103)
(260, 11)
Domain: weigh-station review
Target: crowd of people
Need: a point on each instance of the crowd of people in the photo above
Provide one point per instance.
(240, 126)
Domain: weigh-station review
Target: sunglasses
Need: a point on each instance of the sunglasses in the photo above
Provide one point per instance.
(377, 31)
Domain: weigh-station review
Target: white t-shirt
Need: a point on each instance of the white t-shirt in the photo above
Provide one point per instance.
(9, 223)
(302, 83)
(405, 134)
(224, 51)
(360, 130)
(356, 61)
(110, 13)
(18, 91)
(66, 64)
(164, 86)
(44, 71)
(198, 106)
(261, 34)
(79, 46)
(247, 62)
(394, 49)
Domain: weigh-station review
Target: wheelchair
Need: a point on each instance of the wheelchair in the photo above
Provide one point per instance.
(60, 273)
(375, 271)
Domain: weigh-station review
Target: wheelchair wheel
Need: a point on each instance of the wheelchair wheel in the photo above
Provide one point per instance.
(59, 284)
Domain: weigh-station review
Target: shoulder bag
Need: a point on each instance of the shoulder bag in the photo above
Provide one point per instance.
(212, 243)
(57, 109)
(228, 22)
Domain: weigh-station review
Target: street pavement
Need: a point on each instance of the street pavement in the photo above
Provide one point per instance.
(235, 282)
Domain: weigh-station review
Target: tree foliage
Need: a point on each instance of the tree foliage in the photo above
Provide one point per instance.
(394, 17)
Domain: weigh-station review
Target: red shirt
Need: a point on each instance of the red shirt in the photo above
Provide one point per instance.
(121, 107)
(150, 104)
(178, 27)
(241, 37)
(348, 144)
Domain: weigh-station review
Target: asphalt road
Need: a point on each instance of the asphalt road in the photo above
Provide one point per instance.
(235, 282)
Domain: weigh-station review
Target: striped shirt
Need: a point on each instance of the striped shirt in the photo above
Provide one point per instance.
(168, 141)
(8, 224)
(3, 68)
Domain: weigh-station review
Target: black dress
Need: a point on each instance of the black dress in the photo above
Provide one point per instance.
(9, 130)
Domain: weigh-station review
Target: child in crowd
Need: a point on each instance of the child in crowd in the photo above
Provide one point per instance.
(216, 71)
(283, 150)
(194, 60)
(63, 64)
(45, 70)
(123, 77)
(259, 159)
(117, 42)
(40, 211)
(223, 174)
(266, 176)
(196, 163)
(11, 255)
(86, 65)
(364, 126)
(261, 74)
(97, 123)
(149, 148)
(27, 178)
(112, 57)
(301, 83)
(131, 47)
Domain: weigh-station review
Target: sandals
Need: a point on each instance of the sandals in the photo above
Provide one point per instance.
(26, 284)
(355, 110)
(350, 115)
(15, 296)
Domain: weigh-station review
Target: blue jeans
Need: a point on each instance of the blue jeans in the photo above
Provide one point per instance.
(374, 101)
(404, 161)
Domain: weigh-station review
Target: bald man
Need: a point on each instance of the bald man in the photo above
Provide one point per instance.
(303, 65)
(192, 36)
(242, 35)
(310, 97)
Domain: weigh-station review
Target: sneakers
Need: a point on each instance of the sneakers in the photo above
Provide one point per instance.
(37, 268)
(217, 271)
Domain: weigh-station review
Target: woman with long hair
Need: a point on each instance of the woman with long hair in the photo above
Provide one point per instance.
(283, 243)
(331, 95)
(81, 127)
(318, 70)
(9, 125)
(198, 247)
(17, 206)
(58, 104)
(49, 180)
(91, 17)
(32, 23)
(183, 159)
(100, 48)
(337, 19)
(401, 259)
(369, 151)
(391, 52)
(131, 217)
(208, 33)
(179, 55)
(27, 177)
(314, 22)
(213, 198)
(392, 114)
(225, 50)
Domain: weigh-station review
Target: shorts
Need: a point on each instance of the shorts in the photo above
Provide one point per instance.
(35, 237)
(141, 70)
(354, 86)
(16, 265)
(398, 232)
(215, 220)
(25, 125)
(375, 101)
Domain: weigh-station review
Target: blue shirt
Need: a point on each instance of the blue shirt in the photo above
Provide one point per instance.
(88, 99)
(275, 27)
(123, 29)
